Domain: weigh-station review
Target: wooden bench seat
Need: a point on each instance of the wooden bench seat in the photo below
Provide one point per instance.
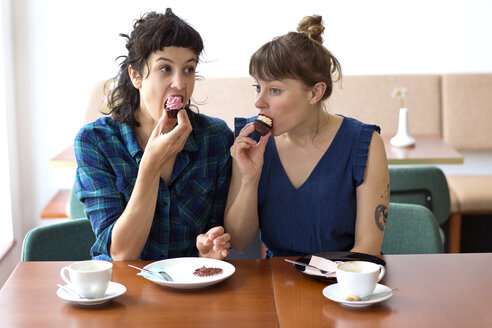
(470, 195)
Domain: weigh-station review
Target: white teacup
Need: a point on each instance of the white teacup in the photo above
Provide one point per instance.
(88, 278)
(357, 279)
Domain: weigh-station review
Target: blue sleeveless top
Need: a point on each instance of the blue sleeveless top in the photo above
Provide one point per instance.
(320, 215)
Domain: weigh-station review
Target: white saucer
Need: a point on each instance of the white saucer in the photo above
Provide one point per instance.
(114, 290)
(181, 270)
(332, 292)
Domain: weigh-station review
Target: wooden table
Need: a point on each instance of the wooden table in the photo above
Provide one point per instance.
(57, 207)
(428, 149)
(442, 290)
(28, 299)
(64, 159)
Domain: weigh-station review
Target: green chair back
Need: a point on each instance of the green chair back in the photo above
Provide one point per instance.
(411, 229)
(76, 207)
(426, 186)
(65, 241)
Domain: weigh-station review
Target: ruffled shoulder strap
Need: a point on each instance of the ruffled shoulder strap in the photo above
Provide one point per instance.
(362, 150)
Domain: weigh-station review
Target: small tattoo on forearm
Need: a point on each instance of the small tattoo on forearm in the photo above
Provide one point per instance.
(381, 216)
(386, 194)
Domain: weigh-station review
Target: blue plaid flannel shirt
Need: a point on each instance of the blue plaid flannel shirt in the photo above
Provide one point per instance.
(108, 157)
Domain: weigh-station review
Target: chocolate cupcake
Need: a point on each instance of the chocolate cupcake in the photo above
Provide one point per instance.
(173, 105)
(263, 124)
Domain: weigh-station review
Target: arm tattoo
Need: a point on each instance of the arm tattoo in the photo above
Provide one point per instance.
(381, 216)
(386, 195)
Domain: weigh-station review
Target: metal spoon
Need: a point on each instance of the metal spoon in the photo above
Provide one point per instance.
(72, 292)
(309, 266)
(163, 274)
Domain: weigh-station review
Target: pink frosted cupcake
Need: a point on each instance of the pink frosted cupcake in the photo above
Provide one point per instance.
(173, 105)
(263, 124)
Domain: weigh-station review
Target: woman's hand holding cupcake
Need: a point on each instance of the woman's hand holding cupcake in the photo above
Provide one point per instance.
(248, 154)
(167, 139)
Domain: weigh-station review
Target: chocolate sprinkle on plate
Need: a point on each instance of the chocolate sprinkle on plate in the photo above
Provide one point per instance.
(207, 272)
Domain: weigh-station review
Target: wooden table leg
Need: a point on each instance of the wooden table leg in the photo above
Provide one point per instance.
(455, 232)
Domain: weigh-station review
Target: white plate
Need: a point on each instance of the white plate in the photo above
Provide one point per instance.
(181, 270)
(332, 292)
(114, 290)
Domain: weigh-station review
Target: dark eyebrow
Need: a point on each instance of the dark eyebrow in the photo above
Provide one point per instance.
(191, 60)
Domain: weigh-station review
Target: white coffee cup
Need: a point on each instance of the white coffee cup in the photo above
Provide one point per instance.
(357, 279)
(88, 278)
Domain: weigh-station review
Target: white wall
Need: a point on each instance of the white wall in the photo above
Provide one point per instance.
(9, 184)
(61, 48)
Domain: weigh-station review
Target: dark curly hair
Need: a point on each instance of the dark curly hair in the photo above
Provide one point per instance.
(152, 32)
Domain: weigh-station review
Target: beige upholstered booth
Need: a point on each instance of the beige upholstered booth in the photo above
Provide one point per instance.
(467, 126)
(226, 98)
(97, 101)
(368, 98)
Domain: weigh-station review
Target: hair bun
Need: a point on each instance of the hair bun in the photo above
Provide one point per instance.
(312, 27)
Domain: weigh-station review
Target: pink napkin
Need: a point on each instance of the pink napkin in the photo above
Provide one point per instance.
(323, 264)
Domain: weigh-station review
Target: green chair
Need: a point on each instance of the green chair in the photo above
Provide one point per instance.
(76, 207)
(65, 241)
(411, 229)
(426, 186)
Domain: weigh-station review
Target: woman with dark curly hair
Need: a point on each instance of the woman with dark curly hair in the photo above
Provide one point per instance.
(154, 175)
(314, 182)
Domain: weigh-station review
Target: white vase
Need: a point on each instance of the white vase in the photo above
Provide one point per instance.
(402, 138)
